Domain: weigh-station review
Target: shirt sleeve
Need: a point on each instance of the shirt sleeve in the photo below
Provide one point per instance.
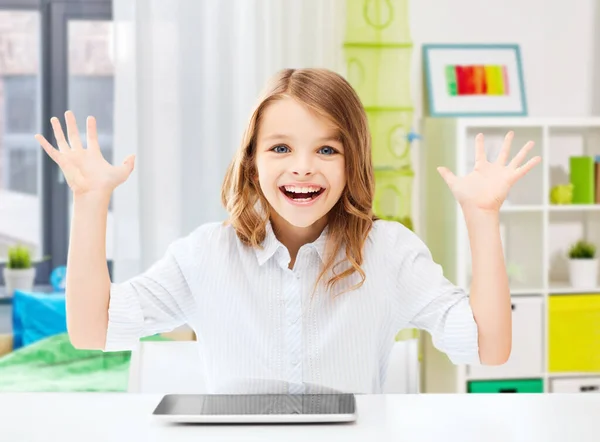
(432, 303)
(158, 300)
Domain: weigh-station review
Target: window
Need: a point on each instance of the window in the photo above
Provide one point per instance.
(54, 56)
(20, 108)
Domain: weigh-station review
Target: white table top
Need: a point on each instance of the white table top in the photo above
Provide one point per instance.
(94, 417)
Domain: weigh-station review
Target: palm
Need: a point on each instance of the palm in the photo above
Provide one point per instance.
(88, 170)
(85, 170)
(487, 186)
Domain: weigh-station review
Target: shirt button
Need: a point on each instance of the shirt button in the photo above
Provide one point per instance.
(295, 362)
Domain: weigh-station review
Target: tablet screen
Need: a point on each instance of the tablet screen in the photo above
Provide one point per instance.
(257, 404)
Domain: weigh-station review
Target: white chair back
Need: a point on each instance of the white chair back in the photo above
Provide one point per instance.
(403, 369)
(162, 367)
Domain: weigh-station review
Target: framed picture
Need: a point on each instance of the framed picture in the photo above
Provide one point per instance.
(474, 80)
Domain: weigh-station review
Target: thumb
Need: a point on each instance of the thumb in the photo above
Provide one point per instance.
(447, 175)
(127, 166)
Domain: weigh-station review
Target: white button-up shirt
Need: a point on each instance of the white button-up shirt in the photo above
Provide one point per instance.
(257, 326)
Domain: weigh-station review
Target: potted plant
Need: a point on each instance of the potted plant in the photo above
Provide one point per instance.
(583, 265)
(19, 272)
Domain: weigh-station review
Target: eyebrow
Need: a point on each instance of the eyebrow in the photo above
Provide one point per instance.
(286, 137)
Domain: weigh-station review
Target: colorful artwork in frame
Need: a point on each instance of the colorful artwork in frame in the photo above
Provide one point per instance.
(474, 80)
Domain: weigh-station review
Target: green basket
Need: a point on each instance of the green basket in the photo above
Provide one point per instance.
(389, 132)
(376, 21)
(393, 194)
(380, 75)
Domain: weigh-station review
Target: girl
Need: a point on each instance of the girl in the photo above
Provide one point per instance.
(302, 286)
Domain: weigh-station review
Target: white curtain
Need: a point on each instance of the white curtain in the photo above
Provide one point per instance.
(187, 73)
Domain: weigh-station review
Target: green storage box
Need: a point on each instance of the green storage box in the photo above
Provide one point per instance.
(389, 132)
(507, 386)
(380, 75)
(393, 193)
(376, 21)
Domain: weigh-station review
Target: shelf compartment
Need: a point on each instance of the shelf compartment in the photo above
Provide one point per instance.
(390, 137)
(373, 72)
(564, 229)
(565, 143)
(522, 239)
(522, 242)
(393, 194)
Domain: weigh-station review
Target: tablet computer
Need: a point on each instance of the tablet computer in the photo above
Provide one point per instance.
(256, 408)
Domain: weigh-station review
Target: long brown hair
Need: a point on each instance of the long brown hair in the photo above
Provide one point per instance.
(351, 218)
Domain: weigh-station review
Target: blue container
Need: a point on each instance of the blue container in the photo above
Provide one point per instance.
(37, 316)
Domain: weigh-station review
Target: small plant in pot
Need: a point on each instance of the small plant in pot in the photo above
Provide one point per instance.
(19, 273)
(583, 265)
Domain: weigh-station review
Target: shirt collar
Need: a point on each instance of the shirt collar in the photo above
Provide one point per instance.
(271, 244)
(320, 243)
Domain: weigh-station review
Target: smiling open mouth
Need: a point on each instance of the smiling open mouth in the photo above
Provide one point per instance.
(301, 195)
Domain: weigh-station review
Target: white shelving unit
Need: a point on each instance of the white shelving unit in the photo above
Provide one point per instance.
(536, 236)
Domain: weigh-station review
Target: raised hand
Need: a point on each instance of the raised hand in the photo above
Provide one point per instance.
(487, 186)
(85, 169)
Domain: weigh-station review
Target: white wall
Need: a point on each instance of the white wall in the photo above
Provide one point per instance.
(556, 39)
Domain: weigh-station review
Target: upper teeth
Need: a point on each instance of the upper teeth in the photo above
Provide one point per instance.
(302, 189)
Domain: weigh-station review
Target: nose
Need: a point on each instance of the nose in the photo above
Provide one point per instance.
(303, 165)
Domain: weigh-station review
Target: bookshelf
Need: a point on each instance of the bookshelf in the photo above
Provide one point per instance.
(551, 319)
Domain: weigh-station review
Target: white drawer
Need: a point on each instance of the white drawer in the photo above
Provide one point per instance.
(575, 385)
(526, 357)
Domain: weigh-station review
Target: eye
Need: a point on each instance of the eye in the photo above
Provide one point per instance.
(280, 149)
(327, 150)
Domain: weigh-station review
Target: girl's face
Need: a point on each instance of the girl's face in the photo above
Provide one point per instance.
(300, 163)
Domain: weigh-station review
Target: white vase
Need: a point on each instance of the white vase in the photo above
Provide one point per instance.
(583, 273)
(18, 279)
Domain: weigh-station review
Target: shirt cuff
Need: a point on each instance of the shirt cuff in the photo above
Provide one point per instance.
(462, 336)
(125, 319)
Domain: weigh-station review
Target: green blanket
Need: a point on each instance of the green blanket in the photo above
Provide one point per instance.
(54, 365)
